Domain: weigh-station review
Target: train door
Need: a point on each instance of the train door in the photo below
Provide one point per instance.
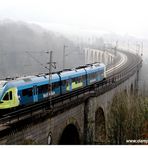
(70, 84)
(35, 94)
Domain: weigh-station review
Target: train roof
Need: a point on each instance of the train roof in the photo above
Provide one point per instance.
(33, 80)
(79, 71)
(42, 79)
(95, 67)
(72, 73)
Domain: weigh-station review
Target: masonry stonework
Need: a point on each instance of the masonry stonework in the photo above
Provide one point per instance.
(83, 117)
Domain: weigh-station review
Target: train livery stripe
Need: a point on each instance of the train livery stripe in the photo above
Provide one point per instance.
(74, 86)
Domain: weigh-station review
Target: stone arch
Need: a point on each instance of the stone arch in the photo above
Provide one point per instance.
(100, 127)
(70, 136)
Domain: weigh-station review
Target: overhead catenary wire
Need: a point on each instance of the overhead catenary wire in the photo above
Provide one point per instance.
(53, 64)
(41, 64)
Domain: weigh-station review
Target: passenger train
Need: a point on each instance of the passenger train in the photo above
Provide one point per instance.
(31, 89)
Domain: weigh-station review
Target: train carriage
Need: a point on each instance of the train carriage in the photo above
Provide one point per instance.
(27, 90)
(35, 89)
(73, 79)
(95, 73)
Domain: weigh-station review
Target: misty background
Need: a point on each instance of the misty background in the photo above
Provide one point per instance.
(23, 49)
(29, 28)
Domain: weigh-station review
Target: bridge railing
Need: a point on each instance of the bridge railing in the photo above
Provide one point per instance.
(115, 80)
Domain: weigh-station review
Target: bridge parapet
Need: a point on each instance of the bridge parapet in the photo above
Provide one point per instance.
(96, 55)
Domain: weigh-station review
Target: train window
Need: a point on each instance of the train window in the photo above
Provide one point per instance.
(6, 97)
(93, 75)
(67, 82)
(10, 95)
(98, 75)
(73, 79)
(78, 80)
(42, 89)
(90, 76)
(45, 88)
(82, 78)
(24, 92)
(39, 89)
(57, 84)
(54, 85)
(29, 92)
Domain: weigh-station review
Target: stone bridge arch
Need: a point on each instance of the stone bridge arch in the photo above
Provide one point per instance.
(70, 135)
(100, 126)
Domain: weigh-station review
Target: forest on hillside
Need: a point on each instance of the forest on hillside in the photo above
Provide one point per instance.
(23, 49)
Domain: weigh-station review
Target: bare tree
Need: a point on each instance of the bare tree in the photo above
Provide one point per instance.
(126, 118)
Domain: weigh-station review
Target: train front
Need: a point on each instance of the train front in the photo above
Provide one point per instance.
(8, 95)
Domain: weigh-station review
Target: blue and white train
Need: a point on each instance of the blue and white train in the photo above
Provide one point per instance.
(31, 89)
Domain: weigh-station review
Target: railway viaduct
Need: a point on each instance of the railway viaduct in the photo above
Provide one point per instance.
(80, 118)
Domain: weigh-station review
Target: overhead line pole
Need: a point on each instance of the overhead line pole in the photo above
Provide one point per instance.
(50, 93)
(64, 56)
(50, 77)
(51, 64)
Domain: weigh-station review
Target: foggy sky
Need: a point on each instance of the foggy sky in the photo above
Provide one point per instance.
(119, 16)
